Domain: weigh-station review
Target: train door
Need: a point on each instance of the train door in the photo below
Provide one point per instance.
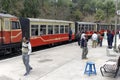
(6, 31)
(25, 26)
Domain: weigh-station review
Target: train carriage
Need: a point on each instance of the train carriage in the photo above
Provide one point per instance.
(10, 34)
(87, 27)
(45, 31)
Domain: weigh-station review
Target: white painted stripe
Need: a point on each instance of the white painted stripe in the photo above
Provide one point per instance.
(16, 35)
(13, 36)
(55, 39)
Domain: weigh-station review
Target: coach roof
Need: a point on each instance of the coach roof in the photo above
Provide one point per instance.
(6, 15)
(85, 23)
(48, 20)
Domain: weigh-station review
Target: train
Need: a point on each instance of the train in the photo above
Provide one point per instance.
(42, 31)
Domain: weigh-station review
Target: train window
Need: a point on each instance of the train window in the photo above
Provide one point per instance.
(50, 29)
(79, 29)
(98, 28)
(93, 27)
(61, 29)
(90, 27)
(34, 30)
(66, 29)
(15, 25)
(86, 28)
(102, 27)
(82, 28)
(7, 24)
(43, 30)
(56, 29)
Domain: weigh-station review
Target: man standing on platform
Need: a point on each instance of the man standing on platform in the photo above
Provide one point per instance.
(84, 46)
(110, 39)
(26, 50)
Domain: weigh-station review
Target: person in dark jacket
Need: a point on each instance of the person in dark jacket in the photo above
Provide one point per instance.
(84, 47)
(78, 37)
(110, 39)
(70, 35)
(101, 39)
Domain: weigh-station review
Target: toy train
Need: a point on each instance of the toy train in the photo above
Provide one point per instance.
(41, 31)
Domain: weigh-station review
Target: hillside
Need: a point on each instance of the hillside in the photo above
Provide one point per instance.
(75, 10)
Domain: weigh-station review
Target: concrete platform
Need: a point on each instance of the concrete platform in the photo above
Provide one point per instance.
(58, 63)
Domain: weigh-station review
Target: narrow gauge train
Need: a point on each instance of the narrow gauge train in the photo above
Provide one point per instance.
(40, 31)
(90, 27)
(10, 34)
(87, 27)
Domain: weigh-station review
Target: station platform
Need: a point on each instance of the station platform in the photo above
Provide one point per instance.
(59, 63)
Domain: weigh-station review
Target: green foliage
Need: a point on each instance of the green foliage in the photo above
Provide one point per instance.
(31, 8)
(61, 9)
(109, 8)
(99, 16)
(10, 6)
(77, 15)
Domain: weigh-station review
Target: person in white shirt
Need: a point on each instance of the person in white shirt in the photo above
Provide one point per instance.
(83, 35)
(26, 50)
(94, 40)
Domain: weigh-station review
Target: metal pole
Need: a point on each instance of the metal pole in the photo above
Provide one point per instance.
(115, 45)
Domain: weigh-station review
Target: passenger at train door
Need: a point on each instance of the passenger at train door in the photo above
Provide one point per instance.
(70, 34)
(84, 47)
(26, 50)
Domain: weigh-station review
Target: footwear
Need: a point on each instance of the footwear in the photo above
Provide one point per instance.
(26, 74)
(31, 68)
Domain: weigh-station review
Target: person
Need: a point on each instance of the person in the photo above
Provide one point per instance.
(84, 47)
(82, 36)
(98, 39)
(79, 37)
(26, 50)
(110, 39)
(105, 34)
(70, 35)
(101, 39)
(94, 39)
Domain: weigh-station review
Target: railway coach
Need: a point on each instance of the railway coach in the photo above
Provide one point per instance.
(10, 34)
(87, 27)
(46, 31)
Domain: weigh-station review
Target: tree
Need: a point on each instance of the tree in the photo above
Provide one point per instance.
(31, 8)
(99, 16)
(86, 8)
(77, 15)
(109, 9)
(11, 6)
